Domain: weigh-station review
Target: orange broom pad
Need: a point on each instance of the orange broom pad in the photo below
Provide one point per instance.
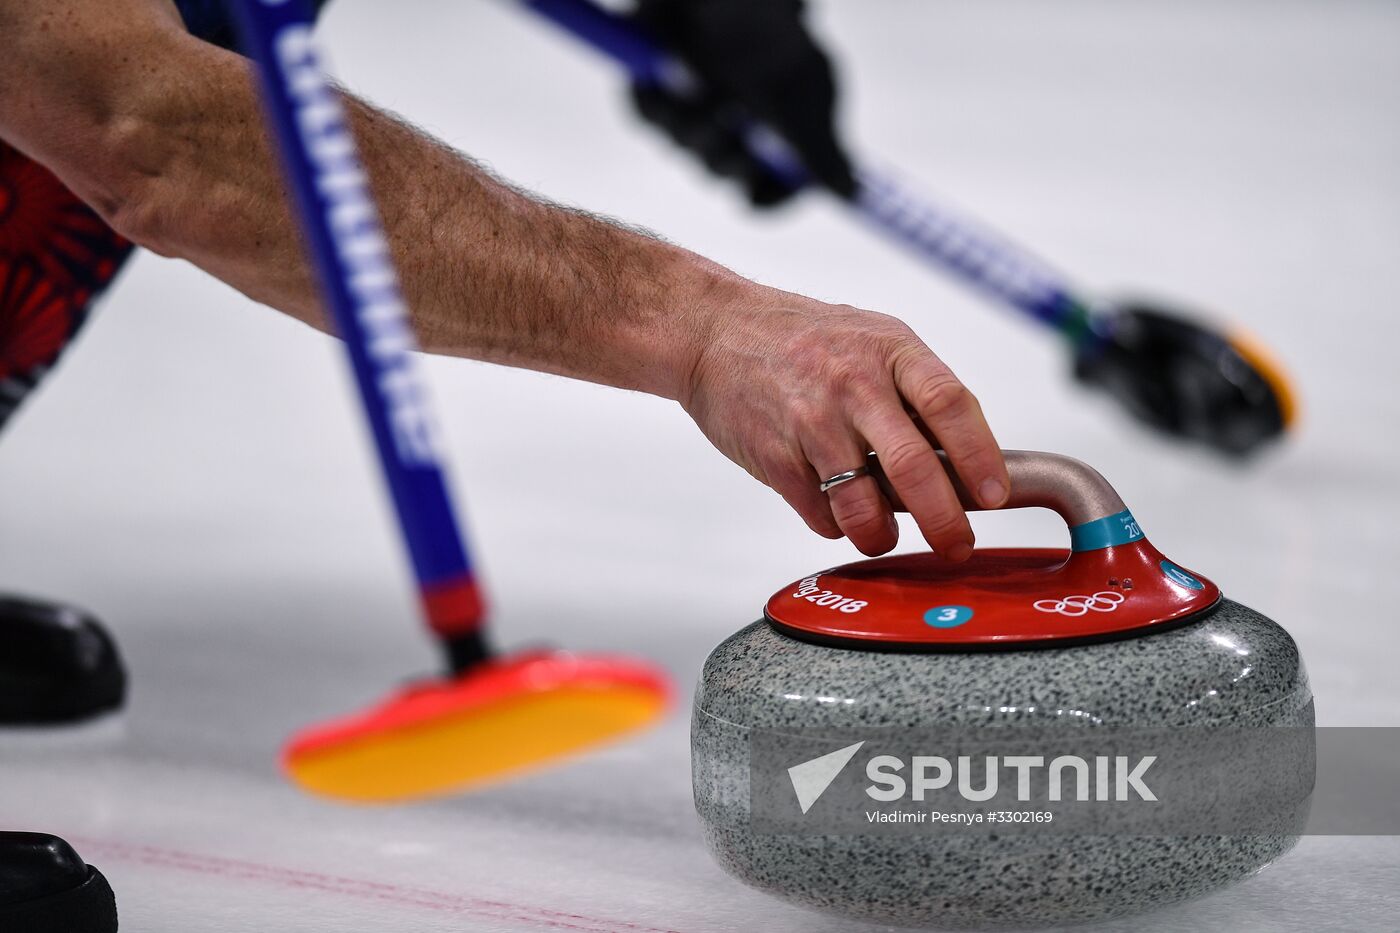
(499, 720)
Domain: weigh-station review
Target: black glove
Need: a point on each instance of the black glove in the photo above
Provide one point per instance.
(755, 59)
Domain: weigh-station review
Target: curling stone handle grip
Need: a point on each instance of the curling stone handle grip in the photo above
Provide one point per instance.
(1069, 487)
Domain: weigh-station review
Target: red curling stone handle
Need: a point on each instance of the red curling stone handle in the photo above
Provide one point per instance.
(1071, 488)
(1111, 583)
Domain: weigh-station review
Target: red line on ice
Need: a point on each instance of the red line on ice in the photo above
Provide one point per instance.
(356, 887)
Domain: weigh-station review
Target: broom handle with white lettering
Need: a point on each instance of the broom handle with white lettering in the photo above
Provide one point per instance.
(346, 243)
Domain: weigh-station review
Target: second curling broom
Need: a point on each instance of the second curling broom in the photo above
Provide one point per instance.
(1175, 371)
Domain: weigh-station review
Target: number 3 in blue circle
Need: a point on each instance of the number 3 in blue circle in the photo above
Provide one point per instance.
(947, 616)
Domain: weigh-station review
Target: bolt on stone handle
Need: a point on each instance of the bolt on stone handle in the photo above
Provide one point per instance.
(1078, 493)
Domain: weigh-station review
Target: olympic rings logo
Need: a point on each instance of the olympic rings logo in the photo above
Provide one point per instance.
(1106, 601)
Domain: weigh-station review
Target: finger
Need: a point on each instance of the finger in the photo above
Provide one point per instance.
(955, 417)
(910, 465)
(793, 478)
(858, 506)
(965, 499)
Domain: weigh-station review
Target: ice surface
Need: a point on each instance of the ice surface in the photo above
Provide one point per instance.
(197, 474)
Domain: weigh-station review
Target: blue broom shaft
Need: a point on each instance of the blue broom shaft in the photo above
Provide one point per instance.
(347, 246)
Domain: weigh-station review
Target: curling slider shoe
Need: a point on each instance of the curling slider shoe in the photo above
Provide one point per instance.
(1187, 378)
(1105, 648)
(499, 719)
(45, 887)
(58, 668)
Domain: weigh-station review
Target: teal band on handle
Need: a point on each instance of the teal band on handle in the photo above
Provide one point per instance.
(1112, 531)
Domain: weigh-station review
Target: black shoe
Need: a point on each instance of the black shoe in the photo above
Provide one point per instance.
(45, 887)
(57, 665)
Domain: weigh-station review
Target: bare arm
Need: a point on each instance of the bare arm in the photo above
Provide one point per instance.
(173, 153)
(163, 135)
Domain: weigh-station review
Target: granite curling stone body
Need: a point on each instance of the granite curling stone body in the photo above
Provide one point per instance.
(1110, 635)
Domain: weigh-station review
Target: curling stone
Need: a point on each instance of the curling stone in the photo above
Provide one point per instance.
(1107, 642)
